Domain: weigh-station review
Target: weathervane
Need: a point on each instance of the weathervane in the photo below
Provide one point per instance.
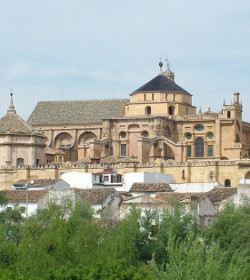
(168, 63)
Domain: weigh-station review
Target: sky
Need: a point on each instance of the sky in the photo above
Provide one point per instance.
(79, 49)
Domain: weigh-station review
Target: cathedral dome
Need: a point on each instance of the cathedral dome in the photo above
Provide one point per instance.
(12, 123)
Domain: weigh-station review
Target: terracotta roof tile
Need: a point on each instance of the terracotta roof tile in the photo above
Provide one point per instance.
(12, 123)
(150, 187)
(219, 194)
(95, 196)
(76, 112)
(24, 195)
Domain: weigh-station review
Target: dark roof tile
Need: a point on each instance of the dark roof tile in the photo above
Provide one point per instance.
(161, 83)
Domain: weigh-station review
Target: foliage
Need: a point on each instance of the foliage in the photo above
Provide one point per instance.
(64, 242)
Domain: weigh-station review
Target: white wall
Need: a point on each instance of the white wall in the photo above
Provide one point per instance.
(81, 180)
(194, 187)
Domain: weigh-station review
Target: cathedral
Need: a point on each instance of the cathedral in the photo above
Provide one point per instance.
(157, 122)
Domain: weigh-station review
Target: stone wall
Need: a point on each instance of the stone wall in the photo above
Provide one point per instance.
(191, 171)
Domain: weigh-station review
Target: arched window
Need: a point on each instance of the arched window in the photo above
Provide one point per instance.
(19, 161)
(148, 110)
(171, 110)
(227, 183)
(199, 147)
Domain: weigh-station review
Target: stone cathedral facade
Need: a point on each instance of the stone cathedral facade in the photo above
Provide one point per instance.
(157, 122)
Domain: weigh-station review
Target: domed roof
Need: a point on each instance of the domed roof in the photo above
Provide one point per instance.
(12, 123)
(161, 83)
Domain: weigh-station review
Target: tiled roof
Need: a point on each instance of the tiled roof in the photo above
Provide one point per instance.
(24, 195)
(175, 196)
(150, 187)
(216, 195)
(95, 196)
(36, 183)
(161, 83)
(12, 123)
(219, 194)
(76, 112)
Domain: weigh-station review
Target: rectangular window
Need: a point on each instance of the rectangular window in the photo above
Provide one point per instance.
(153, 97)
(123, 150)
(144, 97)
(189, 151)
(166, 96)
(210, 150)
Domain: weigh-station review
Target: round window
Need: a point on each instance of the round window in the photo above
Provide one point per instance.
(145, 134)
(123, 134)
(210, 135)
(199, 127)
(188, 135)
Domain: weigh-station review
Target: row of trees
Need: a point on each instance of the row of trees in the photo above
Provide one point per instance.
(65, 242)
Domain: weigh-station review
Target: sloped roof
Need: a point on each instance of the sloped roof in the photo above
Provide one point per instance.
(12, 123)
(24, 195)
(219, 194)
(76, 112)
(95, 196)
(161, 83)
(150, 187)
(36, 183)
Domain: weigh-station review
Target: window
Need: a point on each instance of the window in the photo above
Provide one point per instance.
(145, 98)
(174, 97)
(166, 96)
(189, 151)
(228, 114)
(188, 136)
(171, 110)
(145, 133)
(153, 96)
(199, 147)
(123, 150)
(19, 161)
(148, 110)
(210, 135)
(210, 150)
(227, 183)
(199, 127)
(123, 134)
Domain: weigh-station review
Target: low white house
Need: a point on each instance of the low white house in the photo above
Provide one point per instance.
(33, 200)
(30, 201)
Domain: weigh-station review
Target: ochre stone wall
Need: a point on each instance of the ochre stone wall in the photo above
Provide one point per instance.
(193, 171)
